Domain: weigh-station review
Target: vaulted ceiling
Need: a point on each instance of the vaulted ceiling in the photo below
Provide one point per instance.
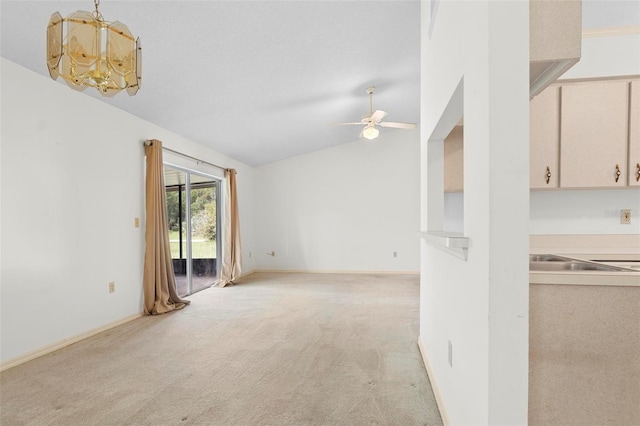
(260, 80)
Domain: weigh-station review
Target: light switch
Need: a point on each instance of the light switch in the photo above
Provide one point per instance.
(625, 217)
(136, 222)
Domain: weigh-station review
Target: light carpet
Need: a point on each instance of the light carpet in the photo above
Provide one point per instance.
(275, 349)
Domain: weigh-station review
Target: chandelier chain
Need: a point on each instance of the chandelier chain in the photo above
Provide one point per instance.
(97, 13)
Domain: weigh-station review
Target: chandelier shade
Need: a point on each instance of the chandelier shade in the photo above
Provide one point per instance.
(86, 51)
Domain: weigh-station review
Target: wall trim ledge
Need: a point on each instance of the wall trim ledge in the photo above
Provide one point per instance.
(21, 359)
(434, 383)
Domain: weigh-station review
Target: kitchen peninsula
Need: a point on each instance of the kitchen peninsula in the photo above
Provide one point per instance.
(584, 333)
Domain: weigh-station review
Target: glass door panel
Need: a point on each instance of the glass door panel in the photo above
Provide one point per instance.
(204, 220)
(192, 216)
(175, 185)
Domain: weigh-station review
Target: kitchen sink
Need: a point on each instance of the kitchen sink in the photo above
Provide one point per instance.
(550, 262)
(547, 258)
(572, 266)
(628, 264)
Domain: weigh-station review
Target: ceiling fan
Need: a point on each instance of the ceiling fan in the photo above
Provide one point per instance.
(369, 131)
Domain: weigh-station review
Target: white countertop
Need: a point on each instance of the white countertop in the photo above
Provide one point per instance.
(605, 248)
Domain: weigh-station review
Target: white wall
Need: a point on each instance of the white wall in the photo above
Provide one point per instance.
(72, 184)
(566, 211)
(454, 212)
(592, 211)
(608, 56)
(479, 305)
(345, 208)
(584, 211)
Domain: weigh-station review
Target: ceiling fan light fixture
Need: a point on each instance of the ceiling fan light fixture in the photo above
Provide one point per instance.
(370, 132)
(86, 51)
(375, 119)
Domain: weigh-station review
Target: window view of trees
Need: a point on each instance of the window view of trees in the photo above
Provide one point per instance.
(203, 220)
(203, 212)
(173, 209)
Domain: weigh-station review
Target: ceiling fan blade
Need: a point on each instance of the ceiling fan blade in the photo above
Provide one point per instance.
(347, 124)
(398, 125)
(377, 116)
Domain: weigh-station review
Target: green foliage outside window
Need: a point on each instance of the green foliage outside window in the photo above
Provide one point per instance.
(203, 221)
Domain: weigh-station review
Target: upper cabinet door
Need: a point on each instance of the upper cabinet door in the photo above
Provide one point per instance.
(454, 161)
(634, 134)
(544, 134)
(593, 135)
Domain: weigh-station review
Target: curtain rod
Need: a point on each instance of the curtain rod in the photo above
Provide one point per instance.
(147, 143)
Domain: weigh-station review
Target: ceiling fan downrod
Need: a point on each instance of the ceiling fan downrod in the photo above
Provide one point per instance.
(370, 91)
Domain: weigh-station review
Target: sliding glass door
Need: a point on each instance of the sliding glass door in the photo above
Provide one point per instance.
(193, 217)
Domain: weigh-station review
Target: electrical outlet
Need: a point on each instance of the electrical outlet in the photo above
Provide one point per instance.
(136, 222)
(395, 254)
(450, 357)
(112, 287)
(625, 216)
(249, 254)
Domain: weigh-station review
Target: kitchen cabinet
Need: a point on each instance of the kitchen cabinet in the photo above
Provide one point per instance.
(582, 135)
(594, 134)
(454, 161)
(634, 134)
(555, 40)
(583, 354)
(544, 143)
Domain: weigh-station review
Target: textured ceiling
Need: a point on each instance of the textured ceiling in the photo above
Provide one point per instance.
(259, 81)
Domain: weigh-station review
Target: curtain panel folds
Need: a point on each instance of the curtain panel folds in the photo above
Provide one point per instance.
(231, 246)
(160, 294)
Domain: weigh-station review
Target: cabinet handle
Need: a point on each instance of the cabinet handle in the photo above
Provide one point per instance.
(549, 173)
(617, 172)
(638, 172)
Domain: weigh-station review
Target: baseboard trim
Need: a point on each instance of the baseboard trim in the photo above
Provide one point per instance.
(21, 359)
(337, 271)
(434, 383)
(246, 274)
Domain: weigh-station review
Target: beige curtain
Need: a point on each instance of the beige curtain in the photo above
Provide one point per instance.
(231, 248)
(160, 295)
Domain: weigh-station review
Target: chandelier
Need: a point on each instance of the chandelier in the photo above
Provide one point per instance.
(86, 51)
